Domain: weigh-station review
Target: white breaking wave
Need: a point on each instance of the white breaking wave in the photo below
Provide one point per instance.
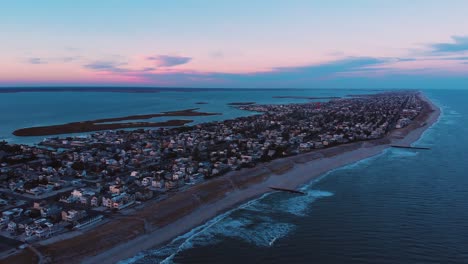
(454, 113)
(295, 205)
(183, 242)
(299, 204)
(402, 153)
(448, 116)
(358, 164)
(249, 223)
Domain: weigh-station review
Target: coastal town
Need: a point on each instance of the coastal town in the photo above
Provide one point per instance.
(76, 183)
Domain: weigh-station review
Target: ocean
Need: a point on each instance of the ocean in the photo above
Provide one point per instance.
(29, 109)
(402, 206)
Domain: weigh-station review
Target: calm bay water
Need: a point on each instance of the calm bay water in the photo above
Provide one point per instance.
(28, 109)
(399, 207)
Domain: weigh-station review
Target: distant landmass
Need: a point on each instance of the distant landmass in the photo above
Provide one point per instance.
(307, 97)
(106, 124)
(241, 103)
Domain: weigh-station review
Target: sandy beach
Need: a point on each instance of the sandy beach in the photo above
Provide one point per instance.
(160, 222)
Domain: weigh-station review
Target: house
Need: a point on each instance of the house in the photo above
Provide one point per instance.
(94, 201)
(146, 181)
(85, 199)
(69, 199)
(117, 189)
(30, 230)
(4, 221)
(170, 184)
(157, 183)
(73, 215)
(77, 193)
(135, 174)
(50, 211)
(39, 205)
(42, 232)
(43, 229)
(246, 158)
(123, 201)
(12, 213)
(25, 223)
(11, 226)
(107, 201)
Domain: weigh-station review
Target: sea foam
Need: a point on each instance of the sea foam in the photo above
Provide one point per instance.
(252, 223)
(401, 153)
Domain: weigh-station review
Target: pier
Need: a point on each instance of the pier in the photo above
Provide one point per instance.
(287, 190)
(410, 147)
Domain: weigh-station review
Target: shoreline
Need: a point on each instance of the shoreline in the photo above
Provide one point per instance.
(298, 173)
(159, 222)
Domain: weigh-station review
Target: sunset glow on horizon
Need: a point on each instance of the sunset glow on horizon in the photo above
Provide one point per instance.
(259, 44)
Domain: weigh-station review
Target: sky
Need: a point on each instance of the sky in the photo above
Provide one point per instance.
(235, 44)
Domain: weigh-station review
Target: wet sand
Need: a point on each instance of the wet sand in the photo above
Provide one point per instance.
(160, 222)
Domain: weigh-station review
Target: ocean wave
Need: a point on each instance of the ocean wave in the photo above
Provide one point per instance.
(360, 163)
(401, 153)
(251, 223)
(299, 204)
(259, 232)
(448, 121)
(183, 242)
(295, 205)
(453, 113)
(448, 116)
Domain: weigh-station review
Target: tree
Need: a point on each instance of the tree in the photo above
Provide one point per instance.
(78, 166)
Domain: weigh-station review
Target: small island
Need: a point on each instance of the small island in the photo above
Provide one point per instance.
(307, 97)
(107, 124)
(241, 103)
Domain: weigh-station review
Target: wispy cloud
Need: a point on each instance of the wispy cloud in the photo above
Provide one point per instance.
(459, 44)
(362, 72)
(305, 76)
(278, 76)
(109, 66)
(217, 54)
(169, 61)
(69, 59)
(37, 61)
(342, 65)
(116, 67)
(457, 58)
